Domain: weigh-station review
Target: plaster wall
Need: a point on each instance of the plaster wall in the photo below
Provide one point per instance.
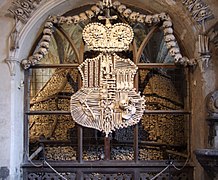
(5, 96)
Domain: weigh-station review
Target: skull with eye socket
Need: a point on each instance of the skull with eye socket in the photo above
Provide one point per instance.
(134, 16)
(127, 12)
(141, 18)
(121, 8)
(90, 14)
(116, 4)
(95, 9)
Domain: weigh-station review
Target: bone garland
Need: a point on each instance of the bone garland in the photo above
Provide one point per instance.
(167, 28)
(48, 31)
(23, 9)
(199, 10)
(124, 11)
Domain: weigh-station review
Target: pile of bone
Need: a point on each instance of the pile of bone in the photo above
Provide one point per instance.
(66, 153)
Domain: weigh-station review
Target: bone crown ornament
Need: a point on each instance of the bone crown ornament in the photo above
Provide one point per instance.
(108, 38)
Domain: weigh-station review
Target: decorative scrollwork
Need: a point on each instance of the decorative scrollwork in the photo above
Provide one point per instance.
(199, 10)
(22, 9)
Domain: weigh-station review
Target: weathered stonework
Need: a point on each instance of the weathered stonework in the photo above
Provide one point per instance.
(23, 9)
(199, 10)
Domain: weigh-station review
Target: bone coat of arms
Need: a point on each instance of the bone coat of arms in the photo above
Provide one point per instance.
(107, 100)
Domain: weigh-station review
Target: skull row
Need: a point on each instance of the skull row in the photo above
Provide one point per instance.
(88, 14)
(135, 16)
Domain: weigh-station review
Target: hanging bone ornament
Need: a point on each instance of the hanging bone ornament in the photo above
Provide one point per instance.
(174, 51)
(141, 18)
(171, 44)
(44, 44)
(116, 4)
(127, 13)
(107, 100)
(168, 30)
(133, 16)
(90, 14)
(69, 20)
(169, 37)
(167, 24)
(149, 19)
(83, 16)
(76, 19)
(95, 9)
(121, 8)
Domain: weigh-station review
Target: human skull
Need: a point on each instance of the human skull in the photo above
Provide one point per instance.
(163, 16)
(123, 104)
(156, 18)
(100, 4)
(127, 12)
(134, 16)
(168, 30)
(149, 19)
(141, 18)
(186, 61)
(46, 38)
(90, 14)
(53, 19)
(167, 24)
(116, 4)
(178, 57)
(173, 51)
(61, 19)
(19, 12)
(95, 9)
(121, 8)
(48, 24)
(25, 63)
(83, 16)
(198, 5)
(25, 5)
(43, 51)
(44, 44)
(171, 44)
(169, 37)
(38, 56)
(76, 19)
(34, 61)
(47, 31)
(203, 13)
(69, 20)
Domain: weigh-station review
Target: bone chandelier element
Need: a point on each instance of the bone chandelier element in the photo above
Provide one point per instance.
(125, 12)
(107, 100)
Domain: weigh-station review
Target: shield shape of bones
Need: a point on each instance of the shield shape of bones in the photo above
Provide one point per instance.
(107, 100)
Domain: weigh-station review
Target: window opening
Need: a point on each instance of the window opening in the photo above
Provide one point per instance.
(163, 129)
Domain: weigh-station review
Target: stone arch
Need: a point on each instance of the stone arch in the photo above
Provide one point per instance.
(29, 31)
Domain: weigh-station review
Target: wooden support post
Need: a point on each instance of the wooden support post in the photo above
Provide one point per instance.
(80, 144)
(107, 148)
(136, 143)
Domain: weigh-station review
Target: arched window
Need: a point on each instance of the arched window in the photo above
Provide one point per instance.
(53, 139)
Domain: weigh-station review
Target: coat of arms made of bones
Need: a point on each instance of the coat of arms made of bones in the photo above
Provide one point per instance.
(107, 100)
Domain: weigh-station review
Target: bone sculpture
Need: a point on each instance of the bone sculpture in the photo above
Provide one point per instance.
(107, 100)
